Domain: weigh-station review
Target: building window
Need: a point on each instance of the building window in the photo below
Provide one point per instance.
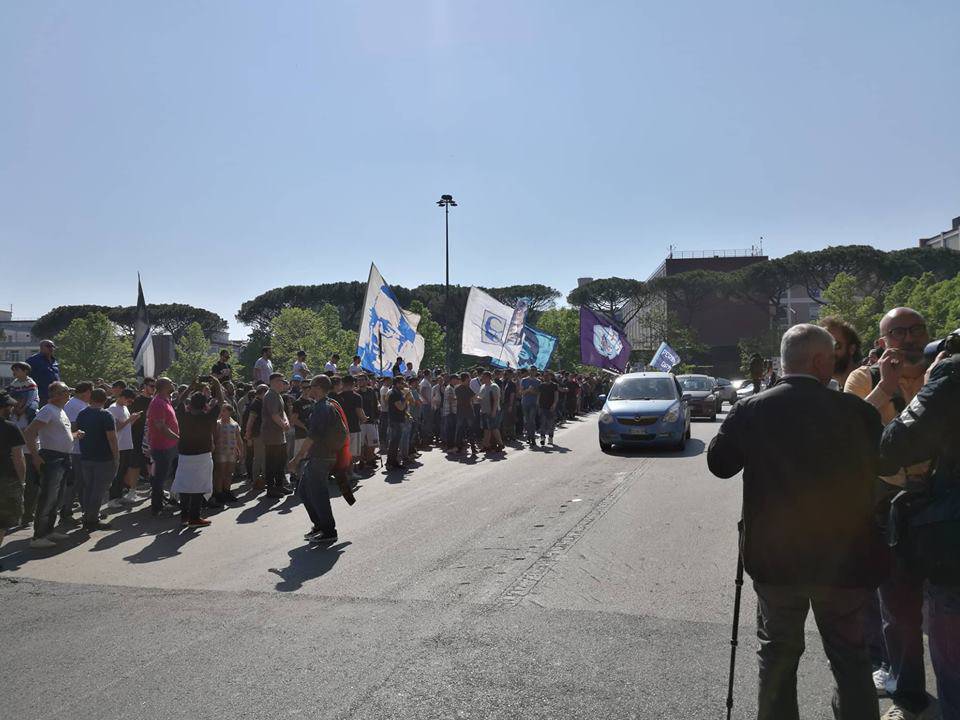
(814, 313)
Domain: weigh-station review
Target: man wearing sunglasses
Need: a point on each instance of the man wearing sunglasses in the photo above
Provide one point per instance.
(890, 386)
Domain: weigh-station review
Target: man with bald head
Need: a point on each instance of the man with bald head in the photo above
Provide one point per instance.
(890, 386)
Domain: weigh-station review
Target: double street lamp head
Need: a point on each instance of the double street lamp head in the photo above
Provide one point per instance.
(446, 201)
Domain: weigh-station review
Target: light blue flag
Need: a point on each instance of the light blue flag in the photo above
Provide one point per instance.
(537, 349)
(665, 358)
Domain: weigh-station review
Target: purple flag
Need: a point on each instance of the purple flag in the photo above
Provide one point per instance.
(602, 344)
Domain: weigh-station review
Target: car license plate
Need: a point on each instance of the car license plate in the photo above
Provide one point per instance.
(639, 431)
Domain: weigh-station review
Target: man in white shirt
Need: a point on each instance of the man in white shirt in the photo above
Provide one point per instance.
(355, 368)
(75, 405)
(300, 365)
(49, 438)
(331, 366)
(263, 367)
(123, 490)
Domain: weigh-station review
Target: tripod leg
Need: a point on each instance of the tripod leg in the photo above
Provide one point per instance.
(736, 621)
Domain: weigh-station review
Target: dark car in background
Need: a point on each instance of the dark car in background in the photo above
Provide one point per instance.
(704, 400)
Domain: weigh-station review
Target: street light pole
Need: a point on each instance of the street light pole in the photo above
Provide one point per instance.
(446, 201)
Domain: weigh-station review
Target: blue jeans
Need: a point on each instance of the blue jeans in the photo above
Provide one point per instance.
(50, 491)
(405, 434)
(393, 448)
(464, 429)
(943, 613)
(73, 485)
(450, 428)
(315, 496)
(163, 465)
(96, 479)
(530, 421)
(548, 420)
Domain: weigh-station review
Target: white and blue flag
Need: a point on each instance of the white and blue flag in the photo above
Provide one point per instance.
(665, 358)
(386, 330)
(492, 329)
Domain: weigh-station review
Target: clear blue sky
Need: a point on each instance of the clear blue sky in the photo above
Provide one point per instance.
(226, 148)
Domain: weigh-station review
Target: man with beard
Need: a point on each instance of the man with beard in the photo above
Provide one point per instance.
(846, 348)
(890, 386)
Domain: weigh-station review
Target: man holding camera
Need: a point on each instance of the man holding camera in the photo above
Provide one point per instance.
(809, 457)
(925, 526)
(890, 386)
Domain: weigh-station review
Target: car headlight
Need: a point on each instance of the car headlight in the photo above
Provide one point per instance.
(606, 418)
(672, 415)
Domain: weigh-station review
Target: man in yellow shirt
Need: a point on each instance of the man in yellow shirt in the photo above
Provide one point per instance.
(889, 388)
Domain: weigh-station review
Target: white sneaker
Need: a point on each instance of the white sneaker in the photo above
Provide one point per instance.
(880, 678)
(130, 497)
(58, 536)
(115, 504)
(43, 543)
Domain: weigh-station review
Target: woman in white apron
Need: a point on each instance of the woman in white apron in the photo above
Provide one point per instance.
(194, 478)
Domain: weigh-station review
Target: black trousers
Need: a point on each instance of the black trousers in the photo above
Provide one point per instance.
(274, 464)
(190, 504)
(781, 614)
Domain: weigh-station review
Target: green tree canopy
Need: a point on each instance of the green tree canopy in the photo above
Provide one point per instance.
(92, 348)
(433, 337)
(687, 293)
(173, 318)
(844, 300)
(194, 356)
(542, 297)
(317, 333)
(617, 298)
(564, 324)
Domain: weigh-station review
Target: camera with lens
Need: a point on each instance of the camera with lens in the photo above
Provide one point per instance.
(950, 344)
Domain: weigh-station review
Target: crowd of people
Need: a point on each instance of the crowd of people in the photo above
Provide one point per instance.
(851, 507)
(67, 451)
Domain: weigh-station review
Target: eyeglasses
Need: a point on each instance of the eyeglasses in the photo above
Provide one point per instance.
(900, 333)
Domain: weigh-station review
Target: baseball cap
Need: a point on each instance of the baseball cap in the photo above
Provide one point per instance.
(298, 378)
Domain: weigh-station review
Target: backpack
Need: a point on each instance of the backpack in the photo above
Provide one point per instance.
(334, 431)
(899, 404)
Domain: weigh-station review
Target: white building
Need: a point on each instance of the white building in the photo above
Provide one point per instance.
(949, 239)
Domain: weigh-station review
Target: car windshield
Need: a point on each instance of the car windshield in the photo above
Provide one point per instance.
(696, 383)
(643, 389)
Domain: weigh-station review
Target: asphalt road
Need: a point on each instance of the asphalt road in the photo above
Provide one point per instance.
(559, 583)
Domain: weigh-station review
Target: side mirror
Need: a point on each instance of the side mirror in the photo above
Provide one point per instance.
(602, 398)
(686, 397)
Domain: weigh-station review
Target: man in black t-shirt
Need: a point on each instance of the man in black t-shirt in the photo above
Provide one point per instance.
(13, 468)
(369, 429)
(464, 394)
(300, 419)
(397, 412)
(547, 399)
(251, 435)
(141, 403)
(352, 405)
(509, 405)
(222, 369)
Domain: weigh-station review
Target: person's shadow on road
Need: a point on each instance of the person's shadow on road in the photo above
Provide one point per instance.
(266, 504)
(307, 562)
(165, 545)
